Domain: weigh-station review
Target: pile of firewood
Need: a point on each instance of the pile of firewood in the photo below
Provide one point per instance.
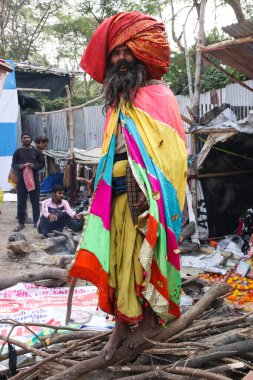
(206, 342)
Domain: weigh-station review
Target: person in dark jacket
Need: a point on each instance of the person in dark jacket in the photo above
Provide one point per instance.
(30, 157)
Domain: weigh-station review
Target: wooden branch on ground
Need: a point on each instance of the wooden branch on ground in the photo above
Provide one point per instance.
(55, 273)
(228, 337)
(207, 375)
(50, 357)
(219, 352)
(125, 354)
(156, 373)
(61, 338)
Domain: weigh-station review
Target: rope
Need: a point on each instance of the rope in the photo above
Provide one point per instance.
(226, 151)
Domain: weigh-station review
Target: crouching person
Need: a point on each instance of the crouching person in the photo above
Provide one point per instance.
(56, 214)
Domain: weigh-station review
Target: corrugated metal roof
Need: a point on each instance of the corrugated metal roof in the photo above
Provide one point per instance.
(241, 29)
(240, 56)
(28, 66)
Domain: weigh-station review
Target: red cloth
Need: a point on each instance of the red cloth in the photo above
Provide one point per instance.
(141, 33)
(28, 178)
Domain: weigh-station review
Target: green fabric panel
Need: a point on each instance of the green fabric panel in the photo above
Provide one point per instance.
(99, 244)
(174, 278)
(142, 173)
(160, 250)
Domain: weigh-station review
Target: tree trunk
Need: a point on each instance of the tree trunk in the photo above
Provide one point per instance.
(237, 8)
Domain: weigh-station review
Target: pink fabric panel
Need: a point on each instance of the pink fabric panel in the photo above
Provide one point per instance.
(159, 103)
(172, 245)
(100, 203)
(133, 148)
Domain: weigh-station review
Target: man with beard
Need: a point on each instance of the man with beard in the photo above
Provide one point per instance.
(129, 249)
(27, 161)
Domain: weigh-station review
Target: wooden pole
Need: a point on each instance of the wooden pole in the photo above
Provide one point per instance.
(33, 89)
(70, 125)
(70, 298)
(226, 73)
(188, 66)
(211, 175)
(195, 107)
(76, 107)
(44, 123)
(200, 42)
(226, 44)
(208, 130)
(187, 120)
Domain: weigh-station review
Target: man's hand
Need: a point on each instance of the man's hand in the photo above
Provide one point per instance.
(78, 216)
(52, 218)
(142, 203)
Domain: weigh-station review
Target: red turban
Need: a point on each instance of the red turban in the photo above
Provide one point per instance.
(141, 33)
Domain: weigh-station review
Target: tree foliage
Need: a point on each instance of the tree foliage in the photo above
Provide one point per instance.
(22, 24)
(26, 26)
(211, 78)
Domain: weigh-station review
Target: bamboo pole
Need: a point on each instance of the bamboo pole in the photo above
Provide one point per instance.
(70, 125)
(187, 120)
(70, 297)
(188, 66)
(76, 107)
(226, 73)
(195, 107)
(200, 42)
(207, 130)
(238, 172)
(226, 44)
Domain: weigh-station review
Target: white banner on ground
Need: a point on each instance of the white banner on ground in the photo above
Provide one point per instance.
(27, 303)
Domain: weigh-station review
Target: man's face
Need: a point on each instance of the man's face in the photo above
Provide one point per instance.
(123, 77)
(26, 140)
(121, 57)
(58, 196)
(42, 145)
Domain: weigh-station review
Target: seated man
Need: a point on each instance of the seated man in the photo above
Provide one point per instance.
(56, 214)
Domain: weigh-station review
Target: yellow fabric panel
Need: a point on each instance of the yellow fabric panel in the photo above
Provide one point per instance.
(126, 272)
(164, 146)
(110, 129)
(119, 168)
(1, 196)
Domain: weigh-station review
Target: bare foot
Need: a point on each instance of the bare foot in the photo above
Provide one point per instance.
(118, 335)
(148, 328)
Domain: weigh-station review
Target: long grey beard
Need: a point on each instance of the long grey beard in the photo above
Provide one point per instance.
(123, 85)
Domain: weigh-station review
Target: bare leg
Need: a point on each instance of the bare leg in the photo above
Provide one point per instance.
(148, 328)
(118, 335)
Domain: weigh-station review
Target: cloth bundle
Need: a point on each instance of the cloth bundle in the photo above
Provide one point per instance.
(28, 179)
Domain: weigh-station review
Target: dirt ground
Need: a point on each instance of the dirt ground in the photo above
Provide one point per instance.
(11, 263)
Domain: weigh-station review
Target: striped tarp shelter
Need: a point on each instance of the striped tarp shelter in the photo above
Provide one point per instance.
(9, 111)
